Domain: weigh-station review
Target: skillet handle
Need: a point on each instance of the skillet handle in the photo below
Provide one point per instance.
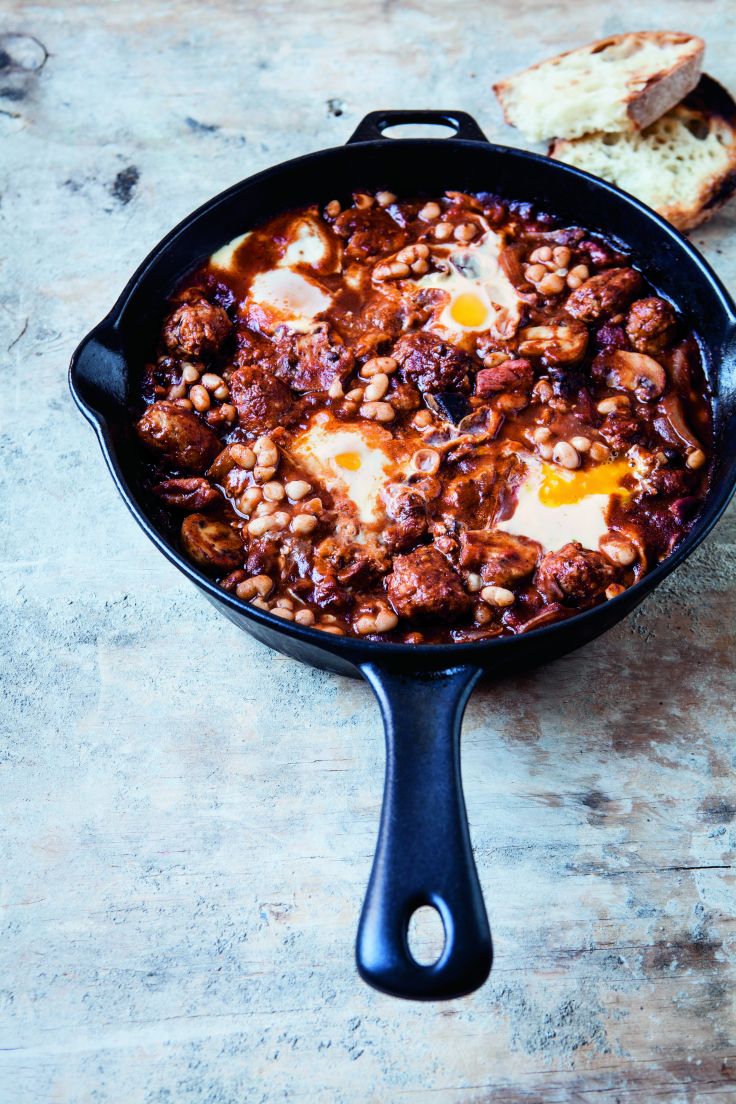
(374, 124)
(423, 855)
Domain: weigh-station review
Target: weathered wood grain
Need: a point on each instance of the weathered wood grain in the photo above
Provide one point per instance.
(187, 819)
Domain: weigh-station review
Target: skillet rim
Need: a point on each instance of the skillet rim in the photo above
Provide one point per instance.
(356, 649)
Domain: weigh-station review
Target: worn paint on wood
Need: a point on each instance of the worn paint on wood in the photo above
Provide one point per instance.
(180, 881)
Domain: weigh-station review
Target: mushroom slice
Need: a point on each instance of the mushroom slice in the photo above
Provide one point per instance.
(637, 372)
(211, 544)
(670, 422)
(561, 343)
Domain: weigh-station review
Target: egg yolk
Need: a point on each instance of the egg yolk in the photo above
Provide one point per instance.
(468, 310)
(350, 461)
(564, 490)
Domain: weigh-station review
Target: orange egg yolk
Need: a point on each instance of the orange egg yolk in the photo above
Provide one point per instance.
(564, 490)
(350, 461)
(469, 310)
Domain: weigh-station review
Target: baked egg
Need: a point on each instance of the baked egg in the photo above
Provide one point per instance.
(351, 460)
(478, 294)
(555, 506)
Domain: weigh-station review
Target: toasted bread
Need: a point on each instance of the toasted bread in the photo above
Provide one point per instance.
(621, 83)
(683, 165)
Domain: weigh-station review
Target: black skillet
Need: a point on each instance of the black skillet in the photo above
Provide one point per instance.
(424, 855)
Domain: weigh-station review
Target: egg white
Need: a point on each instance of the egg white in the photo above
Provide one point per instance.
(286, 298)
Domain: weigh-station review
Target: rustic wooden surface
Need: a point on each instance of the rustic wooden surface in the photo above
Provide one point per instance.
(188, 819)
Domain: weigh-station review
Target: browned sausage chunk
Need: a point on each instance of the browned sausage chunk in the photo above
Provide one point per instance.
(311, 362)
(573, 575)
(432, 364)
(370, 232)
(191, 493)
(211, 544)
(603, 294)
(423, 586)
(196, 329)
(501, 557)
(651, 325)
(408, 512)
(511, 375)
(262, 400)
(179, 435)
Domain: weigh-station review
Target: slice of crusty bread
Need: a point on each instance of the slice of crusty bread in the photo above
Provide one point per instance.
(622, 83)
(684, 165)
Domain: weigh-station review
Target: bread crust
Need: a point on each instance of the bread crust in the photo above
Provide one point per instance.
(710, 106)
(642, 106)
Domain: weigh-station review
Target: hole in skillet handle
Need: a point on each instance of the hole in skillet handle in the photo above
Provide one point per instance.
(423, 854)
(378, 123)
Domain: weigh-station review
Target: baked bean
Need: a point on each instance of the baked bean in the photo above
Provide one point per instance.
(386, 620)
(377, 388)
(211, 381)
(422, 419)
(260, 585)
(266, 451)
(566, 455)
(443, 231)
(314, 506)
(379, 366)
(542, 253)
(297, 488)
(561, 256)
(614, 590)
(263, 509)
(378, 411)
(333, 208)
(616, 402)
(273, 491)
(582, 444)
(535, 273)
(498, 596)
(221, 392)
(249, 500)
(551, 284)
(257, 527)
(618, 550)
(189, 374)
(696, 459)
(199, 398)
(177, 391)
(283, 612)
(228, 412)
(355, 395)
(473, 583)
(303, 524)
(599, 452)
(304, 617)
(384, 199)
(185, 404)
(243, 456)
(335, 390)
(263, 474)
(465, 232)
(430, 211)
(333, 629)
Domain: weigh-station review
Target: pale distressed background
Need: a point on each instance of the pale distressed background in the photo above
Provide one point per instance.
(187, 819)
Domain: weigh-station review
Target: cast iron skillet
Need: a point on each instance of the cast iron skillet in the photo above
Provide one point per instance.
(423, 856)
